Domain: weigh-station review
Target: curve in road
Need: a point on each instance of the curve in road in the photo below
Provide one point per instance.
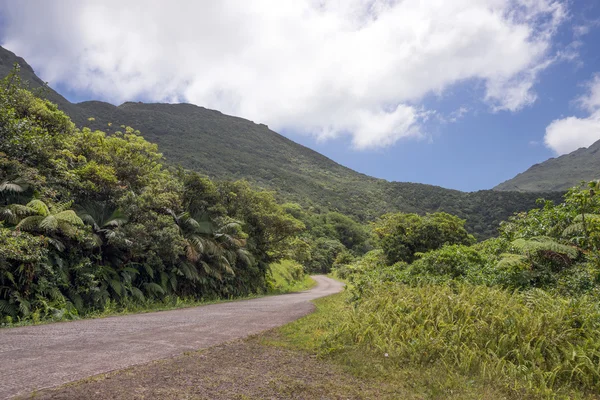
(38, 357)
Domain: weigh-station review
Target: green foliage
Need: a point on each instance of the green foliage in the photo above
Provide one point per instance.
(520, 310)
(507, 338)
(402, 236)
(288, 276)
(90, 219)
(452, 262)
(327, 236)
(324, 253)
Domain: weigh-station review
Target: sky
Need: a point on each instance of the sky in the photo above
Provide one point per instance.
(462, 94)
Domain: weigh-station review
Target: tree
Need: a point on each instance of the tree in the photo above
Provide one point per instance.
(402, 236)
(56, 222)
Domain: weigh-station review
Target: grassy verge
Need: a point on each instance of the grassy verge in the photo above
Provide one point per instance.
(285, 278)
(408, 354)
(113, 309)
(288, 276)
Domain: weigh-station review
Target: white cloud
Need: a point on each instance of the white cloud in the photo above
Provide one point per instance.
(324, 67)
(591, 101)
(568, 134)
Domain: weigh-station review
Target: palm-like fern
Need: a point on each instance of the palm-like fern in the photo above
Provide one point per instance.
(215, 249)
(543, 244)
(535, 261)
(103, 220)
(56, 222)
(14, 213)
(14, 186)
(583, 228)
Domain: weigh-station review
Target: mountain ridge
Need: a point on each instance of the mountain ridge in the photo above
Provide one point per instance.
(228, 147)
(557, 174)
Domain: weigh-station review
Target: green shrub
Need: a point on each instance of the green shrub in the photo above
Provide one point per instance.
(287, 276)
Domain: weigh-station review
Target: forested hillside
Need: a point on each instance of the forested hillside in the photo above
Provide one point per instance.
(89, 221)
(559, 173)
(226, 147)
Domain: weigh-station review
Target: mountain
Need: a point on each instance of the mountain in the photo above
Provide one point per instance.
(559, 173)
(226, 147)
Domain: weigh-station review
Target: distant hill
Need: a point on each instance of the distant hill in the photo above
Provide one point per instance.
(226, 147)
(558, 174)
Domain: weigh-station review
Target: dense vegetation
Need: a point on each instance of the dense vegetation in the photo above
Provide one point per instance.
(225, 147)
(521, 310)
(92, 219)
(89, 219)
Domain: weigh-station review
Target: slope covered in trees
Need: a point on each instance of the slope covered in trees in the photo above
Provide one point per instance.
(226, 147)
(559, 173)
(88, 220)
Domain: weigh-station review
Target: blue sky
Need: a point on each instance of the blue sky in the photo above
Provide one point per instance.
(395, 90)
(485, 148)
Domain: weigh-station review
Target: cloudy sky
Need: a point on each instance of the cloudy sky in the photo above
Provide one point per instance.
(462, 93)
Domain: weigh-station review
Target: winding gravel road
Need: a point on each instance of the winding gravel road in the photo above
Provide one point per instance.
(37, 357)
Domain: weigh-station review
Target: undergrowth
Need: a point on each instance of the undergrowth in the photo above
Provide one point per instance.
(288, 276)
(284, 278)
(478, 341)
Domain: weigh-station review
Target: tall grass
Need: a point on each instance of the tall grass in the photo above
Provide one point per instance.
(288, 276)
(531, 342)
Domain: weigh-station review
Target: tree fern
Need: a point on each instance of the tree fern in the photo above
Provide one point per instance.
(154, 289)
(512, 261)
(39, 206)
(8, 308)
(11, 187)
(543, 243)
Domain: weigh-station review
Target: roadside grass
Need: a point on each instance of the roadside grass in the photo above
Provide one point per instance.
(285, 279)
(358, 340)
(310, 334)
(113, 309)
(288, 276)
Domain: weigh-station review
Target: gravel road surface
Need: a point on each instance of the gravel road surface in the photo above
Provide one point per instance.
(37, 357)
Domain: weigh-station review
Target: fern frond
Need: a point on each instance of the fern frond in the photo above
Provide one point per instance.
(226, 266)
(575, 228)
(7, 308)
(31, 223)
(137, 293)
(8, 186)
(542, 243)
(50, 223)
(115, 220)
(58, 245)
(39, 206)
(70, 217)
(153, 288)
(512, 261)
(116, 285)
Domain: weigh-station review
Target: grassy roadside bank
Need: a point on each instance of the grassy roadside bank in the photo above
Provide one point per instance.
(284, 278)
(312, 333)
(400, 349)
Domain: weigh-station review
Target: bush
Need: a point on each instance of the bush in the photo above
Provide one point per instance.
(286, 276)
